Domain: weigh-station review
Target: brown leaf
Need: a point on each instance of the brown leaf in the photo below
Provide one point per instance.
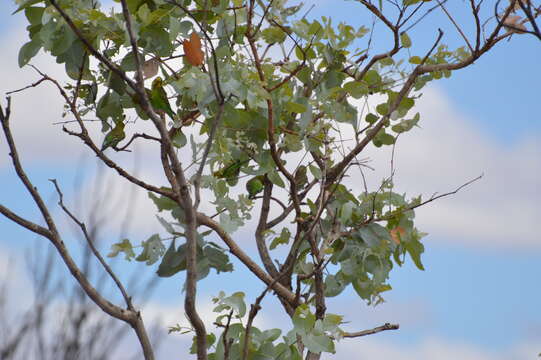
(150, 68)
(514, 24)
(192, 50)
(397, 233)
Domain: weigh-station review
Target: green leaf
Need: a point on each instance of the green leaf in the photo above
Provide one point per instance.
(271, 335)
(387, 61)
(116, 83)
(156, 40)
(109, 106)
(25, 4)
(284, 237)
(153, 249)
(173, 261)
(415, 248)
(415, 60)
(316, 171)
(382, 109)
(293, 142)
(34, 15)
(28, 51)
(372, 77)
(303, 320)
(218, 259)
(275, 178)
(406, 125)
(356, 89)
(128, 62)
(179, 139)
(211, 339)
(125, 247)
(162, 202)
(236, 303)
(382, 138)
(166, 225)
(411, 2)
(334, 285)
(273, 35)
(371, 118)
(228, 223)
(295, 107)
(405, 40)
(318, 343)
(373, 234)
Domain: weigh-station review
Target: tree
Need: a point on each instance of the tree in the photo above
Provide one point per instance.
(266, 97)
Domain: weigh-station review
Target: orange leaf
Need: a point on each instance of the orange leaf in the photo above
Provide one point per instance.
(397, 233)
(192, 50)
(514, 24)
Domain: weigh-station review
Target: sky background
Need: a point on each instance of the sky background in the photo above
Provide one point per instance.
(479, 296)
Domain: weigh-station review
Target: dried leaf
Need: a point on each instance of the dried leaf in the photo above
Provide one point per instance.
(514, 24)
(397, 233)
(192, 50)
(150, 68)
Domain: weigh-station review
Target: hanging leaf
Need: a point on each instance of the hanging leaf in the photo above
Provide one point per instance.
(192, 50)
(513, 23)
(397, 233)
(150, 68)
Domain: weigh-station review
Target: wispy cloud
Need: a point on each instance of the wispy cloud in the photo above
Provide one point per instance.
(501, 210)
(448, 149)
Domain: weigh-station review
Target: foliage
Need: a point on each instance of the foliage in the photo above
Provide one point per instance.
(266, 96)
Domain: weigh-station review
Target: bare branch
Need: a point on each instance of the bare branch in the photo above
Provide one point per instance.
(456, 25)
(432, 198)
(130, 316)
(95, 251)
(375, 330)
(22, 174)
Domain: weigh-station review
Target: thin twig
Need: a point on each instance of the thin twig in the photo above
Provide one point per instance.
(94, 250)
(432, 198)
(375, 330)
(27, 87)
(455, 24)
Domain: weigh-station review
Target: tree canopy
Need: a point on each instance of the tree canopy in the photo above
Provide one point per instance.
(260, 115)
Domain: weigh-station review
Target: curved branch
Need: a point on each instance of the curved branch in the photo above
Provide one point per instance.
(282, 291)
(260, 231)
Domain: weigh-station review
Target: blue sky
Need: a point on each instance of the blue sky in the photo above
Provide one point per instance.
(479, 296)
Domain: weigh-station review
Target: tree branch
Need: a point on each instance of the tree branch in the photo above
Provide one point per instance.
(283, 292)
(90, 243)
(130, 316)
(375, 330)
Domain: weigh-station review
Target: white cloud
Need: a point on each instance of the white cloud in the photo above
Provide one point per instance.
(33, 110)
(499, 211)
(14, 279)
